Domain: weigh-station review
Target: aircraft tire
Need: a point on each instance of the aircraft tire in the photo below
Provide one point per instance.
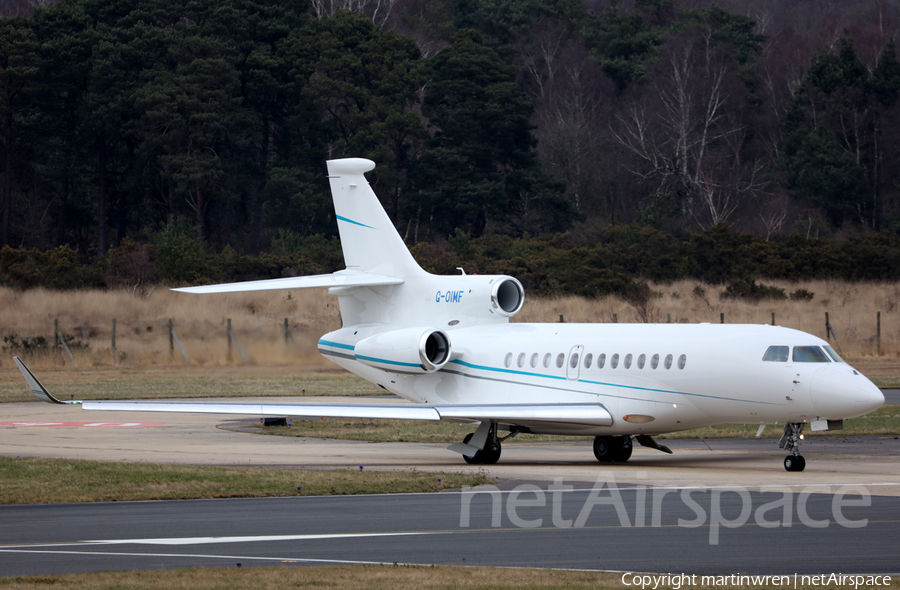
(603, 449)
(625, 449)
(474, 459)
(609, 449)
(792, 463)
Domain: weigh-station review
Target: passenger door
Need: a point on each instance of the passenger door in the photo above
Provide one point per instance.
(573, 363)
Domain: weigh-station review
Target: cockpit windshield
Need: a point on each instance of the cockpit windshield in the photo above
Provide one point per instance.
(776, 354)
(810, 354)
(834, 355)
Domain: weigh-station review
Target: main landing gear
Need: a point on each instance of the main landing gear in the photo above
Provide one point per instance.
(790, 441)
(609, 449)
(489, 454)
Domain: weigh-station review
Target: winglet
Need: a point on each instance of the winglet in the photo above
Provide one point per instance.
(36, 387)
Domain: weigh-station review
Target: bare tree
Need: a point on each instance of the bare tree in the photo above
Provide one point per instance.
(377, 10)
(688, 133)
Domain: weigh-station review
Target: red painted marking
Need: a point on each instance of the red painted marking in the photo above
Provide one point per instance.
(85, 424)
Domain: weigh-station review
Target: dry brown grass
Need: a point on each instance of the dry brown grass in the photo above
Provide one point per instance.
(397, 577)
(200, 324)
(374, 577)
(258, 319)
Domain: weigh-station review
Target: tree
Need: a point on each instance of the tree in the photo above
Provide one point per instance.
(19, 65)
(689, 131)
(833, 134)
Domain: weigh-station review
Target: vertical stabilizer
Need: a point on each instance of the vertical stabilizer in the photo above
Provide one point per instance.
(368, 237)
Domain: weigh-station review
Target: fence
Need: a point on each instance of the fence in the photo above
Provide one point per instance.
(169, 341)
(269, 342)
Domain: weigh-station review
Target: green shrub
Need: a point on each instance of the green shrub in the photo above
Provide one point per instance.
(748, 290)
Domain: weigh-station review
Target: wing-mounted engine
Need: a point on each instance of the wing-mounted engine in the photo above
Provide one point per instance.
(408, 350)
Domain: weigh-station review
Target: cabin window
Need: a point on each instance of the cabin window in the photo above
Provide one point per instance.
(627, 362)
(776, 354)
(810, 354)
(641, 360)
(508, 360)
(573, 360)
(668, 362)
(614, 361)
(654, 361)
(534, 360)
(682, 361)
(601, 360)
(521, 360)
(834, 355)
(547, 361)
(560, 360)
(588, 358)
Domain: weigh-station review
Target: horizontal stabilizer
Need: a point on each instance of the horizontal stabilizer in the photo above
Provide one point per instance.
(338, 279)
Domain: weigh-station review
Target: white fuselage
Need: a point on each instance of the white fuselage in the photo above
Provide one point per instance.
(654, 378)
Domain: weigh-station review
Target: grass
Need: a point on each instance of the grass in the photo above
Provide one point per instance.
(185, 382)
(373, 577)
(30, 480)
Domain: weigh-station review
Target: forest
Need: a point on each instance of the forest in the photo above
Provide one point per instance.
(186, 140)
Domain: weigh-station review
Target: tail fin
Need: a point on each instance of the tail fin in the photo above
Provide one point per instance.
(370, 242)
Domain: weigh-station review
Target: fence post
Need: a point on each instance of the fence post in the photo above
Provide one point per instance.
(615, 318)
(722, 318)
(827, 328)
(773, 318)
(228, 357)
(668, 318)
(287, 333)
(55, 340)
(878, 332)
(171, 341)
(115, 356)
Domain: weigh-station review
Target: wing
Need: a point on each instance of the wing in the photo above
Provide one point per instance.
(519, 414)
(344, 278)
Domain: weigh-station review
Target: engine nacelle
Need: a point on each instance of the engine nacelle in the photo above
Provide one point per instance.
(408, 350)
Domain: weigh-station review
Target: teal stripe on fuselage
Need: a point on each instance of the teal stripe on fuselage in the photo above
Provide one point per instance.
(386, 362)
(337, 345)
(619, 385)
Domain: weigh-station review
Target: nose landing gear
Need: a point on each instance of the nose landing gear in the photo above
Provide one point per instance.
(790, 441)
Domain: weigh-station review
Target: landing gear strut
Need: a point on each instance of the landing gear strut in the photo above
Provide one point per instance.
(790, 441)
(610, 449)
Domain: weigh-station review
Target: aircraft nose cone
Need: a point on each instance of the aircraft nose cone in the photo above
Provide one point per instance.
(839, 393)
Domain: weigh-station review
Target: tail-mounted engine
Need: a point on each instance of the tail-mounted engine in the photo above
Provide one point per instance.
(507, 296)
(408, 350)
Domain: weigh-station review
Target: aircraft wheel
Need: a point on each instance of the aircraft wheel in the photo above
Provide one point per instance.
(604, 449)
(794, 463)
(475, 459)
(489, 456)
(625, 450)
(608, 449)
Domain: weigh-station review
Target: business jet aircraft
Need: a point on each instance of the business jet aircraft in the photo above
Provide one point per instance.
(445, 343)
